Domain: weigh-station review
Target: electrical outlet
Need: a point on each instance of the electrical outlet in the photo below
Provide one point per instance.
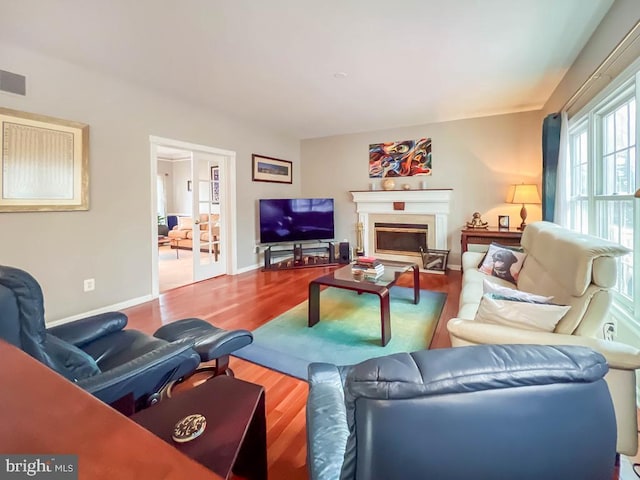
(89, 284)
(257, 248)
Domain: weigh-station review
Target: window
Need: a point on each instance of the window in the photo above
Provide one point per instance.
(578, 185)
(602, 179)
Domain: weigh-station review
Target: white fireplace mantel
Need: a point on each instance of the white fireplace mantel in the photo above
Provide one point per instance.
(436, 202)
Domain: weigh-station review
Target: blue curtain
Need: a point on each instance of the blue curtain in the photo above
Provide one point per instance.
(550, 154)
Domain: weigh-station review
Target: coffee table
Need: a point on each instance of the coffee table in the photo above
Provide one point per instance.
(343, 278)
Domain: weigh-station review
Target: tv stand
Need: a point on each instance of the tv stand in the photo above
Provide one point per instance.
(299, 255)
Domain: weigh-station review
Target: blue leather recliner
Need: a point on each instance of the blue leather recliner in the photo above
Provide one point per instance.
(495, 412)
(96, 353)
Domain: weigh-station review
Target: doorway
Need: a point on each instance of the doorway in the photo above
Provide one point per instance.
(194, 195)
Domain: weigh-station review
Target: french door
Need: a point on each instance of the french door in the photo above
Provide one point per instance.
(209, 254)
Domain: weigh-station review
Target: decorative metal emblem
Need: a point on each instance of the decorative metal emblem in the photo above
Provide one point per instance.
(189, 428)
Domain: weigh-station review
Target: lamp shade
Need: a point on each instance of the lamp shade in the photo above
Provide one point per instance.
(524, 193)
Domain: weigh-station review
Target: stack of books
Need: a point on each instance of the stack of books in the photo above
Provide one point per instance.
(371, 267)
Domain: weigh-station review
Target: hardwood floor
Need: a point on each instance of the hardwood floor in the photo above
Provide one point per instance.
(248, 301)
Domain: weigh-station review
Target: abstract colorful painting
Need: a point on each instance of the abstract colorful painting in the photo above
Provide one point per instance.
(400, 159)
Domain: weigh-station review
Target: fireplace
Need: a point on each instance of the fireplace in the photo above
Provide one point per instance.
(426, 210)
(400, 238)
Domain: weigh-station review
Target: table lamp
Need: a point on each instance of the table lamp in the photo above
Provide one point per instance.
(523, 194)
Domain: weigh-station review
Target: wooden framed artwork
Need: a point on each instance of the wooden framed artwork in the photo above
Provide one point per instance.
(44, 163)
(400, 159)
(503, 222)
(269, 169)
(215, 184)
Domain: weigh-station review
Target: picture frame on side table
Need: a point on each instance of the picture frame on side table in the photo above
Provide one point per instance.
(503, 222)
(269, 169)
(44, 163)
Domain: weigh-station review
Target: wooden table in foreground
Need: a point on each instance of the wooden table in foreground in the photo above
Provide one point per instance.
(343, 278)
(487, 235)
(235, 438)
(43, 413)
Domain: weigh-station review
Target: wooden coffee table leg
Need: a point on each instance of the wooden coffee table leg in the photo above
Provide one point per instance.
(385, 317)
(314, 303)
(416, 284)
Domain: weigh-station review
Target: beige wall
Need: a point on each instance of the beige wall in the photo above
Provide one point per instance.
(112, 241)
(478, 158)
(165, 168)
(182, 198)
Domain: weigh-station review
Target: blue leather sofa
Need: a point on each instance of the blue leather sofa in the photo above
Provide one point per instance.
(492, 412)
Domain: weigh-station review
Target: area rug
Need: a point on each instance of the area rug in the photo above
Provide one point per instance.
(348, 331)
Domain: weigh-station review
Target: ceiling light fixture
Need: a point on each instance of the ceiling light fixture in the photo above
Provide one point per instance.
(340, 75)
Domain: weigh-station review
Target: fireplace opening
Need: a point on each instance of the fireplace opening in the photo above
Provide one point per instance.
(400, 238)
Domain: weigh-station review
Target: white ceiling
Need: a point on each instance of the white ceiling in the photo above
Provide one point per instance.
(408, 62)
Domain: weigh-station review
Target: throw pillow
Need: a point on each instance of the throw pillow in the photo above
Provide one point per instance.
(503, 263)
(185, 223)
(524, 315)
(499, 245)
(507, 293)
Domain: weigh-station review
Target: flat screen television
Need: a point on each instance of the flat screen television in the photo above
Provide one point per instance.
(296, 219)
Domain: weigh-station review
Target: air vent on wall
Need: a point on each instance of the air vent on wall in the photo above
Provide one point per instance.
(13, 83)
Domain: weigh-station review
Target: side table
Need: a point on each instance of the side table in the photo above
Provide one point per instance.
(235, 438)
(487, 235)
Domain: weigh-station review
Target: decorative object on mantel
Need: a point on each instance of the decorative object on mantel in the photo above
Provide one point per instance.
(476, 221)
(400, 159)
(269, 169)
(406, 186)
(388, 184)
(525, 194)
(44, 163)
(359, 239)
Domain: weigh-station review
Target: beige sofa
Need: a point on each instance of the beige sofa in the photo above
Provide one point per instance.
(207, 228)
(577, 270)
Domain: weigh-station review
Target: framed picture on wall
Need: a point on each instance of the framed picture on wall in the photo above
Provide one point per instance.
(268, 169)
(44, 163)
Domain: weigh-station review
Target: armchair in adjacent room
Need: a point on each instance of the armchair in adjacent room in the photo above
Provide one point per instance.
(491, 411)
(96, 353)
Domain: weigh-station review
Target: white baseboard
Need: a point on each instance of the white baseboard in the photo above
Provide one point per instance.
(248, 269)
(454, 267)
(109, 308)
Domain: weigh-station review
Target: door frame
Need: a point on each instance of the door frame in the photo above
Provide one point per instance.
(227, 217)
